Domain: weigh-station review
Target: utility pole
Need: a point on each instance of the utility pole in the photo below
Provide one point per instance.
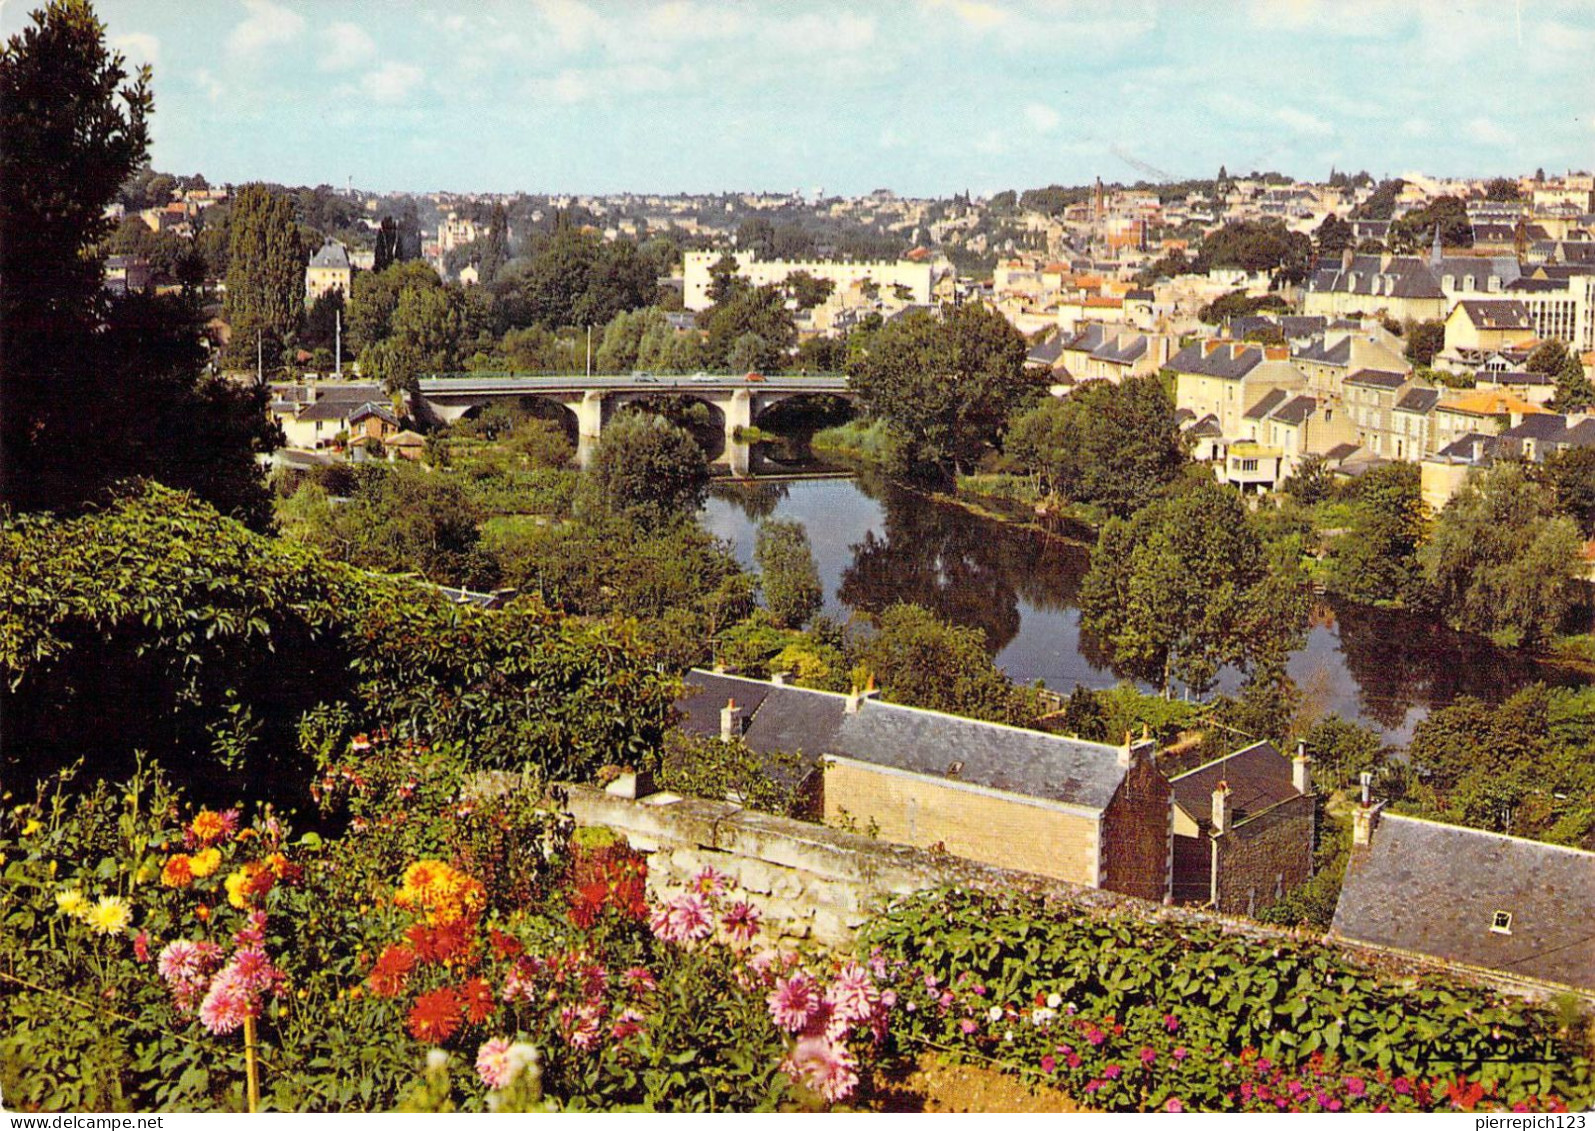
(260, 359)
(589, 349)
(337, 349)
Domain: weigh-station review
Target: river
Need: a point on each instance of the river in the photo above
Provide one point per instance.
(876, 544)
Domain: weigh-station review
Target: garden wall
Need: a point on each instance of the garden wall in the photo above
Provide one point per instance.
(820, 884)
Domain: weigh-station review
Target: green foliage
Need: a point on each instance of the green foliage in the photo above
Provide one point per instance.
(374, 297)
(1239, 304)
(396, 520)
(1502, 561)
(1114, 445)
(788, 576)
(1313, 903)
(1574, 392)
(1570, 473)
(265, 274)
(1521, 767)
(1382, 203)
(1333, 236)
(645, 468)
(1502, 189)
(751, 331)
(1256, 246)
(157, 607)
(1208, 1006)
(1108, 715)
(1342, 752)
(1311, 483)
(699, 766)
(946, 387)
(1415, 230)
(1376, 559)
(1186, 586)
(921, 661)
(1424, 340)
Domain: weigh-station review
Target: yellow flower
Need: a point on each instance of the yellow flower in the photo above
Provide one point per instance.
(205, 862)
(32, 827)
(235, 886)
(70, 902)
(110, 915)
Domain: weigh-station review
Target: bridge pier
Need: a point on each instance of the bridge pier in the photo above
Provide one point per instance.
(589, 413)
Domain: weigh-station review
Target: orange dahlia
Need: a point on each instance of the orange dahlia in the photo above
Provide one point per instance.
(435, 1017)
(178, 871)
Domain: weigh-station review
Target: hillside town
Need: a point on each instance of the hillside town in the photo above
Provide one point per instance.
(1122, 645)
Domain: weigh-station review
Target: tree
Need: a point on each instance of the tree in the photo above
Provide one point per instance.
(1415, 230)
(807, 291)
(265, 274)
(724, 280)
(921, 661)
(387, 251)
(1376, 559)
(1312, 482)
(1574, 392)
(947, 387)
(1502, 562)
(787, 573)
(1571, 476)
(644, 467)
(751, 331)
(1333, 236)
(1502, 189)
(93, 390)
(427, 332)
(1424, 340)
(496, 247)
(1186, 586)
(1382, 204)
(1115, 445)
(374, 297)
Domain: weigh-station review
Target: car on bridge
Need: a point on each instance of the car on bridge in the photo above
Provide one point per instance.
(641, 375)
(754, 377)
(702, 376)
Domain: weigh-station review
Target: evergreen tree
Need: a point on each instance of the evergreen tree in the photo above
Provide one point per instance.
(387, 244)
(265, 275)
(95, 389)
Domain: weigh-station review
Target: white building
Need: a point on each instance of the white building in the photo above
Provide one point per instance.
(914, 277)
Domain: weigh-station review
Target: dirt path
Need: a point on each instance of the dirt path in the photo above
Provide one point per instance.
(933, 1085)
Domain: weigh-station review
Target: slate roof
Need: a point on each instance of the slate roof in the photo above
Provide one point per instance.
(792, 719)
(1258, 776)
(1462, 448)
(1421, 401)
(1303, 325)
(1324, 354)
(331, 255)
(1435, 889)
(338, 402)
(1208, 426)
(1271, 400)
(1340, 452)
(1227, 360)
(1125, 352)
(1541, 426)
(1089, 339)
(1411, 276)
(1497, 314)
(1296, 410)
(1047, 353)
(370, 408)
(1377, 378)
(1580, 435)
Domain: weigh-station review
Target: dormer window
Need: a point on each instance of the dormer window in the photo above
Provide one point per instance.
(1502, 923)
(1449, 283)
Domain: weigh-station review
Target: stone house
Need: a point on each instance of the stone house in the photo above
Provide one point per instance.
(1487, 324)
(1085, 812)
(1244, 829)
(1483, 412)
(1516, 909)
(1224, 379)
(328, 270)
(1371, 398)
(1410, 421)
(313, 415)
(1327, 362)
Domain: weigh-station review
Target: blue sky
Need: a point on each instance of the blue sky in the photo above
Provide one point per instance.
(926, 97)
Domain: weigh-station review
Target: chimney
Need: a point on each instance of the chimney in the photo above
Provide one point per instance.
(856, 697)
(1136, 750)
(1347, 258)
(730, 721)
(1365, 817)
(1300, 775)
(1221, 807)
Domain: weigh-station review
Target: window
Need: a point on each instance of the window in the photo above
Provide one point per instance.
(1246, 464)
(1502, 924)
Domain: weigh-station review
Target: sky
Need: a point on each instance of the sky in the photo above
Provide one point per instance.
(925, 97)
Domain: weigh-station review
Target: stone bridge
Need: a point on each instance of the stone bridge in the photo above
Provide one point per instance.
(594, 400)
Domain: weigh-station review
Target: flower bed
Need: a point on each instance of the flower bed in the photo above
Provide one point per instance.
(1130, 1016)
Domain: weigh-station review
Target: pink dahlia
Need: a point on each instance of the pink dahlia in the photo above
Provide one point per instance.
(578, 1024)
(227, 1004)
(741, 922)
(793, 1001)
(708, 883)
(639, 981)
(825, 1066)
(253, 970)
(1174, 1104)
(853, 993)
(627, 1023)
(184, 962)
(688, 919)
(493, 1064)
(253, 932)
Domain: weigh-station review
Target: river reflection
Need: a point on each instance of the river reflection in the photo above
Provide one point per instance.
(876, 545)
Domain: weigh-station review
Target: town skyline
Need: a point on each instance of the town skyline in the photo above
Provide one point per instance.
(927, 99)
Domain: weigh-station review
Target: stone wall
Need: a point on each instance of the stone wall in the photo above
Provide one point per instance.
(820, 884)
(1265, 856)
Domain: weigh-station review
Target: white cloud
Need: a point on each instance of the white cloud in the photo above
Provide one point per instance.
(391, 82)
(979, 15)
(573, 24)
(1043, 119)
(348, 46)
(1415, 127)
(1489, 132)
(266, 25)
(1303, 122)
(140, 47)
(207, 82)
(577, 84)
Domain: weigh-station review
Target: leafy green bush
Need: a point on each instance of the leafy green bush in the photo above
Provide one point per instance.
(1135, 1015)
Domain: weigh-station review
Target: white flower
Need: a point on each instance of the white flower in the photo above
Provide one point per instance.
(1054, 1001)
(522, 1055)
(994, 1013)
(1041, 1017)
(436, 1060)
